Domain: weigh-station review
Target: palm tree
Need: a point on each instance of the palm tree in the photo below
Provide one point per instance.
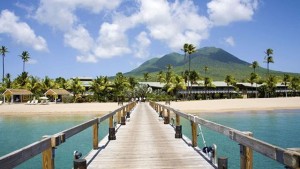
(190, 49)
(194, 76)
(253, 79)
(269, 58)
(21, 80)
(7, 81)
(271, 84)
(3, 51)
(25, 57)
(160, 76)
(285, 81)
(230, 80)
(254, 65)
(76, 87)
(295, 84)
(101, 87)
(120, 85)
(146, 76)
(207, 83)
(205, 70)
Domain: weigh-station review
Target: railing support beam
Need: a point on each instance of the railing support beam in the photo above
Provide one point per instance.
(246, 155)
(95, 136)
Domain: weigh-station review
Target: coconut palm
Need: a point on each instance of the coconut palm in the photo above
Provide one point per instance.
(101, 87)
(146, 76)
(254, 65)
(25, 57)
(3, 51)
(207, 83)
(229, 80)
(7, 81)
(286, 79)
(295, 84)
(271, 84)
(76, 87)
(21, 81)
(160, 76)
(205, 70)
(120, 85)
(269, 58)
(35, 86)
(194, 77)
(253, 79)
(189, 49)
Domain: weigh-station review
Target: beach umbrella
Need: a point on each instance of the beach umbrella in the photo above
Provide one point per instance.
(44, 98)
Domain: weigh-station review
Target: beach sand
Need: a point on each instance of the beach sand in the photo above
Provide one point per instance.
(230, 105)
(224, 105)
(58, 109)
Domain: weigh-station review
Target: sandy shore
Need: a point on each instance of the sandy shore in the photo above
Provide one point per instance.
(224, 105)
(229, 105)
(58, 109)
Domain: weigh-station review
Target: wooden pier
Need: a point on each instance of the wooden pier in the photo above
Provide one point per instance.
(145, 142)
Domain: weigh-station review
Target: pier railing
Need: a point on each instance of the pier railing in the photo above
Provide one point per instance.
(48, 144)
(288, 157)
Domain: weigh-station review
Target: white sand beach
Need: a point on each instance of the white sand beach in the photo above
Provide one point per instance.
(211, 106)
(229, 105)
(58, 109)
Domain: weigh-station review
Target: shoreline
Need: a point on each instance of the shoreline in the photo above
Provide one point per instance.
(199, 106)
(236, 105)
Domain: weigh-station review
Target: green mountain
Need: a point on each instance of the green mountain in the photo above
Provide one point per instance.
(220, 63)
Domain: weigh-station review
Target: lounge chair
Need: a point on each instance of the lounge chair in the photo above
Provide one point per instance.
(28, 102)
(1, 102)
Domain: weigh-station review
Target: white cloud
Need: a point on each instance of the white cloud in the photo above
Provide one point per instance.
(141, 45)
(79, 38)
(224, 12)
(230, 41)
(88, 58)
(21, 31)
(60, 14)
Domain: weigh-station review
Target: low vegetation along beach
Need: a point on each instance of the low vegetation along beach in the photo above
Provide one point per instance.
(210, 106)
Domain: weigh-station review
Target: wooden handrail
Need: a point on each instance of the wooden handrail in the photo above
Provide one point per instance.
(284, 156)
(17, 157)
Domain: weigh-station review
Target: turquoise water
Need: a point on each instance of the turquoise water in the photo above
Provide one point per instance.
(280, 127)
(17, 132)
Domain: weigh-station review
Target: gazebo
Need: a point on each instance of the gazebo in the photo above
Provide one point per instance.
(17, 95)
(57, 94)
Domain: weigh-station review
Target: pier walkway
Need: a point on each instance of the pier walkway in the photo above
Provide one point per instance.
(145, 142)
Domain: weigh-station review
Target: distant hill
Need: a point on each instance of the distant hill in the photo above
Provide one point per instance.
(220, 63)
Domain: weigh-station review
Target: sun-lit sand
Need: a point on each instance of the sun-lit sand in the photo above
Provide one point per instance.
(226, 105)
(223, 105)
(58, 109)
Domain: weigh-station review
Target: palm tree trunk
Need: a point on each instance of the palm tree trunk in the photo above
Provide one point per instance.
(3, 68)
(23, 66)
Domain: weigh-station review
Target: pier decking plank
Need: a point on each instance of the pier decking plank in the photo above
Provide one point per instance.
(145, 142)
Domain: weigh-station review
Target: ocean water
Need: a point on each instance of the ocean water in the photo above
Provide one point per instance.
(278, 127)
(17, 132)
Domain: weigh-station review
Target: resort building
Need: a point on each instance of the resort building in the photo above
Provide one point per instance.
(86, 83)
(17, 95)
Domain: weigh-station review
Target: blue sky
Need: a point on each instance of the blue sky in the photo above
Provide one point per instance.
(100, 37)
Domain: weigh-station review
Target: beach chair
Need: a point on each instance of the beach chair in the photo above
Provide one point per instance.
(28, 102)
(1, 102)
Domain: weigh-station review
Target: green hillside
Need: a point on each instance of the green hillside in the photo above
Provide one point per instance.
(220, 63)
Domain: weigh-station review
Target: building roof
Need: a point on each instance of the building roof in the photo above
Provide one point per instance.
(57, 92)
(17, 92)
(153, 84)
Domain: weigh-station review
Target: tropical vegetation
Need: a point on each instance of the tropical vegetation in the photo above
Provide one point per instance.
(123, 87)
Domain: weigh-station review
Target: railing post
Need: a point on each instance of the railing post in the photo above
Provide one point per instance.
(194, 134)
(48, 159)
(123, 118)
(112, 131)
(178, 129)
(246, 155)
(167, 117)
(95, 136)
(119, 116)
(222, 163)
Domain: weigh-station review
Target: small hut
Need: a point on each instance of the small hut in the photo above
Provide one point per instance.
(17, 95)
(57, 94)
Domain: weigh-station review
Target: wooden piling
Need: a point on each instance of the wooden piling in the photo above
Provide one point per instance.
(95, 136)
(194, 134)
(246, 155)
(48, 160)
(222, 163)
